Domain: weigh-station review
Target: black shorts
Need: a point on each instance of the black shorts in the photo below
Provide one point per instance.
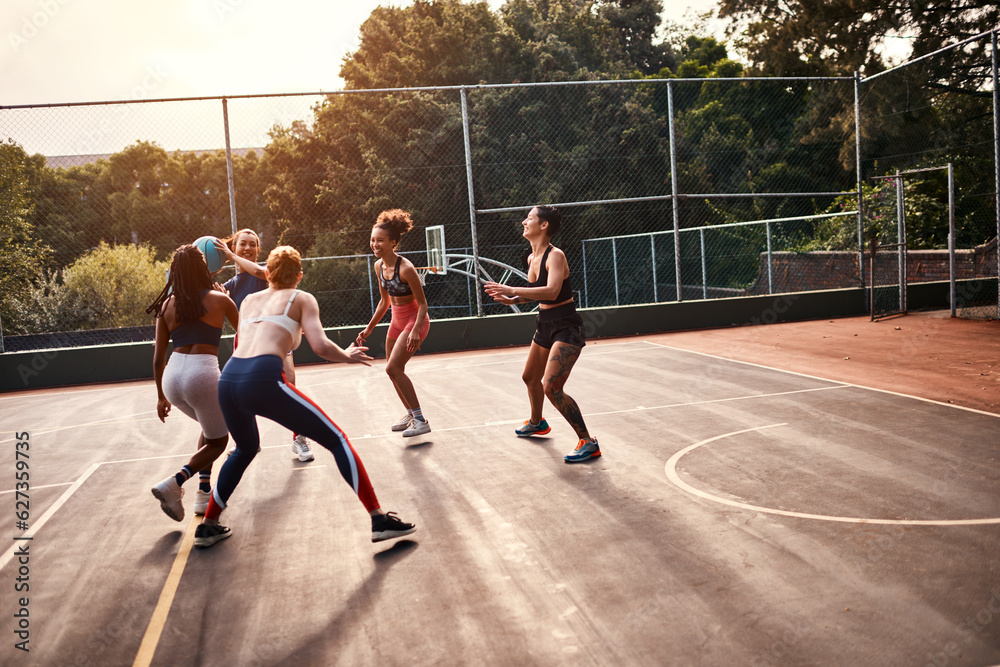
(562, 324)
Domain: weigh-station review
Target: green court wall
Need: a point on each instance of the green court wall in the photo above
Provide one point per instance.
(134, 361)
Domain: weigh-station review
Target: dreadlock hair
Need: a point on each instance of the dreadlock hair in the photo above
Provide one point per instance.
(187, 277)
(396, 222)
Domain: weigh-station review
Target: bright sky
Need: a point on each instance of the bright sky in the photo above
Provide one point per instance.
(57, 51)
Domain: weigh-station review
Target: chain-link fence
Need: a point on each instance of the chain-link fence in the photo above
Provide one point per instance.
(917, 119)
(670, 189)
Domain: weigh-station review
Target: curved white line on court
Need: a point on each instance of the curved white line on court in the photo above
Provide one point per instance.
(671, 470)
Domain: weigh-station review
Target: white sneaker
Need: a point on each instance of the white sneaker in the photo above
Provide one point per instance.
(301, 449)
(201, 499)
(419, 427)
(404, 423)
(169, 493)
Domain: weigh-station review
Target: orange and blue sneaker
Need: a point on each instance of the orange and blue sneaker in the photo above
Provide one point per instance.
(585, 450)
(529, 429)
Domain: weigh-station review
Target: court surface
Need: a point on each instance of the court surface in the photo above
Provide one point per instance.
(740, 515)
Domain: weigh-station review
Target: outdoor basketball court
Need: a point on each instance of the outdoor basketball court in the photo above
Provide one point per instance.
(740, 515)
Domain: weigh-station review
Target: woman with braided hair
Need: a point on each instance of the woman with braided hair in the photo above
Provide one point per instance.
(190, 312)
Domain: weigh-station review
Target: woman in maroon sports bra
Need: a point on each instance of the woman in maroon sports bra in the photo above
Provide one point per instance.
(559, 336)
(399, 286)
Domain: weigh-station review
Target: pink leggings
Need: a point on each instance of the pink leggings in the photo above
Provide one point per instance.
(403, 319)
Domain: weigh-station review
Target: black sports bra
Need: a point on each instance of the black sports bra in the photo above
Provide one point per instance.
(565, 291)
(397, 286)
(193, 332)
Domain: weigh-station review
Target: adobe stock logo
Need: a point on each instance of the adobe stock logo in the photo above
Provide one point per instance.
(30, 25)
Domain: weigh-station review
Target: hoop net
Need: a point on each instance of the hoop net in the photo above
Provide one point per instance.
(422, 272)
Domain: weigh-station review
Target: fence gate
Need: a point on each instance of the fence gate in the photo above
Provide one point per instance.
(887, 268)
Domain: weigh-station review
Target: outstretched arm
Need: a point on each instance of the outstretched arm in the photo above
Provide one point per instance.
(320, 344)
(245, 264)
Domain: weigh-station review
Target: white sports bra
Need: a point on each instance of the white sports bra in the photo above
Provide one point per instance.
(283, 319)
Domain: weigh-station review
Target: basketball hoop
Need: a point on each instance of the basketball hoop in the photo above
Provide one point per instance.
(422, 272)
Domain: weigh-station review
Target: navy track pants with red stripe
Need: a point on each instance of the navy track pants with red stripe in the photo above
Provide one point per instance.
(256, 386)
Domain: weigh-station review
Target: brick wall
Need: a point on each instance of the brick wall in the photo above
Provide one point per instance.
(798, 272)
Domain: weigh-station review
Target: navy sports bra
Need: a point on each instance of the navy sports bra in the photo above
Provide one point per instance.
(193, 332)
(397, 286)
(565, 292)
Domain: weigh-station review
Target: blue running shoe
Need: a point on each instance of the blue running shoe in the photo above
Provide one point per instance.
(585, 450)
(529, 429)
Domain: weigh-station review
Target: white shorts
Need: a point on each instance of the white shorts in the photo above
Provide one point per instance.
(191, 384)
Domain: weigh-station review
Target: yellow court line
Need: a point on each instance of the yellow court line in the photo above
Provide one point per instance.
(152, 637)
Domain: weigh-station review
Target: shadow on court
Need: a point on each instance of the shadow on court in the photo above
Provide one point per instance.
(739, 515)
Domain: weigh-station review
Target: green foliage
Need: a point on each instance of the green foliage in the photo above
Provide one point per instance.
(117, 283)
(107, 287)
(525, 41)
(319, 184)
(839, 37)
(925, 203)
(22, 255)
(48, 306)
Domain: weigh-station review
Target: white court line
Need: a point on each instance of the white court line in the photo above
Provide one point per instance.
(717, 400)
(37, 524)
(817, 377)
(36, 488)
(425, 364)
(671, 470)
(111, 420)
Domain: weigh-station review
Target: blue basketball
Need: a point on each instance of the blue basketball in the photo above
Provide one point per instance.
(214, 258)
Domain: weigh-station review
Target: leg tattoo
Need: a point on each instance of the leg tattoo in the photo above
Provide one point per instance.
(560, 365)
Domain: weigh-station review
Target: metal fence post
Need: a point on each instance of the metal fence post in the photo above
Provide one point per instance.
(996, 151)
(229, 166)
(857, 160)
(951, 239)
(704, 267)
(586, 292)
(901, 240)
(614, 262)
(770, 260)
(369, 262)
(673, 190)
(652, 254)
(472, 200)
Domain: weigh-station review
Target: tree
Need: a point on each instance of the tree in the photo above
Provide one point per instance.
(22, 256)
(107, 287)
(441, 43)
(115, 284)
(839, 37)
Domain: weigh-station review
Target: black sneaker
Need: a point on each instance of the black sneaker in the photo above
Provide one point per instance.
(388, 526)
(206, 535)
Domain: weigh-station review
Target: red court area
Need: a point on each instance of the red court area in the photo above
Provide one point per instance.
(815, 493)
(926, 354)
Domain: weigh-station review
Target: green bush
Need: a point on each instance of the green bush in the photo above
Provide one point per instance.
(108, 287)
